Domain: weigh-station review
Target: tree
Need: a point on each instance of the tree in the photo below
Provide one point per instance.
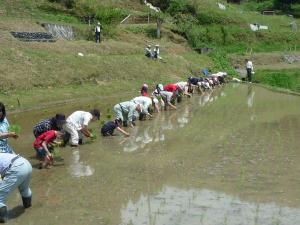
(285, 5)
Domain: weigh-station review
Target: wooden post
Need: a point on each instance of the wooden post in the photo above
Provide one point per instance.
(159, 22)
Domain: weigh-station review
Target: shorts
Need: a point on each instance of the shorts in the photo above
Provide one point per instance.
(40, 153)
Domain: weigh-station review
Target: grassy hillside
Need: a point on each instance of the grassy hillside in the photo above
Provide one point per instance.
(38, 73)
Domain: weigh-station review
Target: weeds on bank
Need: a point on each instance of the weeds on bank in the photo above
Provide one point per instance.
(288, 79)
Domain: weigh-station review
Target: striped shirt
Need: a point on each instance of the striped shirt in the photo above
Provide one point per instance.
(42, 127)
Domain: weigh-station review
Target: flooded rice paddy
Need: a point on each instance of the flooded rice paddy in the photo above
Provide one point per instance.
(230, 157)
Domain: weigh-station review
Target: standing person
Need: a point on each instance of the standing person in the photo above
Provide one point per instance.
(98, 32)
(15, 173)
(109, 127)
(78, 122)
(41, 145)
(126, 111)
(4, 132)
(250, 71)
(54, 123)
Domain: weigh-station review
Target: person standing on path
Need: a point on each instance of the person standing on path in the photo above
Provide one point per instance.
(249, 68)
(15, 173)
(98, 33)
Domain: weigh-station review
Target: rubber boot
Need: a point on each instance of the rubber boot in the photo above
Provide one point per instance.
(26, 201)
(3, 214)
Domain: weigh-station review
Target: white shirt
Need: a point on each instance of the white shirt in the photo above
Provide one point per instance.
(79, 119)
(167, 96)
(144, 102)
(97, 29)
(182, 85)
(249, 65)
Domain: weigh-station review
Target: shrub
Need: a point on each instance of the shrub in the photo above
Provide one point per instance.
(109, 15)
(67, 3)
(180, 6)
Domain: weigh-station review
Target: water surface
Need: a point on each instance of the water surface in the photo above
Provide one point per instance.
(229, 157)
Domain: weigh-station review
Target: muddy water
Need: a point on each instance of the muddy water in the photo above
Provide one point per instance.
(230, 157)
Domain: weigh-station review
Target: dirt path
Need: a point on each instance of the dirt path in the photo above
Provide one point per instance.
(269, 61)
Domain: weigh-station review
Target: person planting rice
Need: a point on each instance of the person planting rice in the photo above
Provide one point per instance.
(77, 124)
(184, 87)
(54, 123)
(165, 95)
(144, 90)
(109, 127)
(127, 111)
(145, 103)
(15, 173)
(42, 144)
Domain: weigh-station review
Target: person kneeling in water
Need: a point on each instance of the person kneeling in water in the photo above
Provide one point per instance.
(109, 127)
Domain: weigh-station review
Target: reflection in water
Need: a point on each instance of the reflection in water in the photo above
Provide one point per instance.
(77, 168)
(250, 97)
(171, 120)
(250, 101)
(183, 119)
(155, 131)
(175, 206)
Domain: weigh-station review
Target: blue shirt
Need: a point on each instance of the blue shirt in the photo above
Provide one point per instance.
(4, 147)
(109, 127)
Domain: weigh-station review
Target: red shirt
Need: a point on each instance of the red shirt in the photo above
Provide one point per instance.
(145, 94)
(48, 137)
(171, 87)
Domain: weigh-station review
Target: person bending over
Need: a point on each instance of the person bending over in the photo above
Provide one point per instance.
(109, 127)
(77, 124)
(42, 144)
(15, 173)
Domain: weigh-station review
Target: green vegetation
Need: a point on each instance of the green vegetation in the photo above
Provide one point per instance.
(39, 73)
(287, 79)
(15, 128)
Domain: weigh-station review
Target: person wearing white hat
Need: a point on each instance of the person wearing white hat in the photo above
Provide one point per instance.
(148, 51)
(165, 96)
(98, 32)
(156, 52)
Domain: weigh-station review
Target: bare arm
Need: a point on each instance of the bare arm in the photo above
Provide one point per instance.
(86, 132)
(123, 131)
(8, 135)
(171, 105)
(44, 144)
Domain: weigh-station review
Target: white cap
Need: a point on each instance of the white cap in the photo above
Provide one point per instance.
(145, 85)
(99, 23)
(161, 87)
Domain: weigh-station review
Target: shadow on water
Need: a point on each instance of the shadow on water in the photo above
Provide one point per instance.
(227, 157)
